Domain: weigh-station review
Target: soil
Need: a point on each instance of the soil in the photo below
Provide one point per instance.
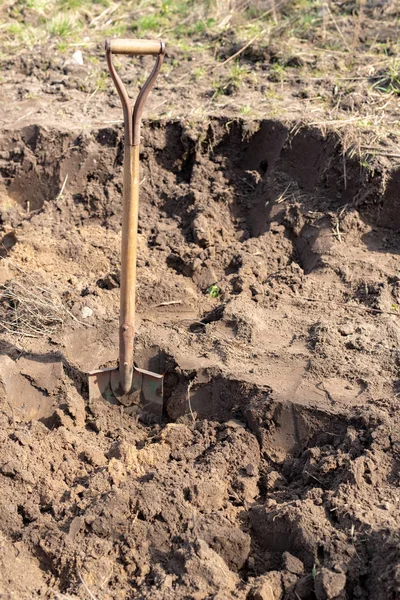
(274, 474)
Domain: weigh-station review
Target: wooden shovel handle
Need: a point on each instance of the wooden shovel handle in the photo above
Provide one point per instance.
(135, 47)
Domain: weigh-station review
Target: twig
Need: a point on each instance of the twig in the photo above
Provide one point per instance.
(59, 196)
(109, 9)
(239, 51)
(168, 303)
(344, 170)
(92, 596)
(190, 385)
(272, 10)
(337, 26)
(313, 476)
(337, 232)
(380, 152)
(24, 116)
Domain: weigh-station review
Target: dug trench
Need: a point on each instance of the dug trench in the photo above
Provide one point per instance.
(268, 293)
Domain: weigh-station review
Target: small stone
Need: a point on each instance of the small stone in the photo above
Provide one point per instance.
(127, 454)
(292, 564)
(76, 407)
(77, 57)
(161, 240)
(109, 281)
(346, 329)
(235, 424)
(251, 470)
(86, 312)
(176, 435)
(5, 273)
(168, 581)
(328, 585)
(31, 511)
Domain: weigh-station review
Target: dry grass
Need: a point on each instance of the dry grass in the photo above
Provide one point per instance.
(29, 309)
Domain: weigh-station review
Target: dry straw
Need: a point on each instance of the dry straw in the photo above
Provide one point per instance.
(28, 308)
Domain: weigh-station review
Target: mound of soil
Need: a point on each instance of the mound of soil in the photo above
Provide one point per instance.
(274, 475)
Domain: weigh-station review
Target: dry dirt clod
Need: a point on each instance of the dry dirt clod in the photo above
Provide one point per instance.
(268, 587)
(292, 564)
(201, 231)
(328, 584)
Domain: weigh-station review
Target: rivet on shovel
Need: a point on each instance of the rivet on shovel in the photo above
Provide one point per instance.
(126, 383)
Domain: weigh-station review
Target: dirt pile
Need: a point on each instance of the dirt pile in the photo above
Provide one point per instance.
(275, 472)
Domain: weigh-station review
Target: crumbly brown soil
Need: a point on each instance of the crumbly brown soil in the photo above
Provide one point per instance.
(275, 471)
(274, 474)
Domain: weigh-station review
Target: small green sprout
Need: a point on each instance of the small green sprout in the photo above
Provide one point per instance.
(314, 571)
(213, 291)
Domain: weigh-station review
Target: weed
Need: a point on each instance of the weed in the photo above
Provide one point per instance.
(63, 25)
(15, 28)
(36, 5)
(62, 46)
(199, 73)
(238, 74)
(389, 81)
(277, 72)
(115, 30)
(245, 110)
(314, 571)
(101, 81)
(147, 23)
(200, 27)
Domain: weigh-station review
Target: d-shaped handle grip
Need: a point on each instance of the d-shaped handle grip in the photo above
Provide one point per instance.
(135, 47)
(133, 114)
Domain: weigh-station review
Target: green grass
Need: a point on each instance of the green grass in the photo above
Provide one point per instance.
(238, 74)
(199, 73)
(63, 25)
(389, 81)
(245, 110)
